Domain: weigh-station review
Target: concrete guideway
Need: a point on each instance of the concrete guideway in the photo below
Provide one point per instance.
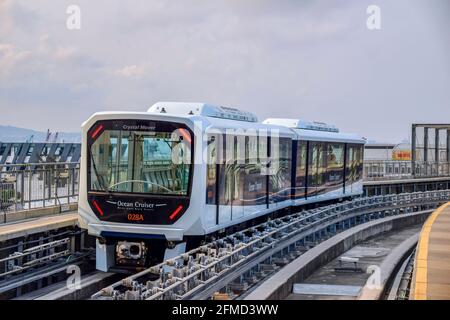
(375, 286)
(431, 276)
(89, 284)
(34, 226)
(279, 286)
(35, 213)
(35, 252)
(246, 252)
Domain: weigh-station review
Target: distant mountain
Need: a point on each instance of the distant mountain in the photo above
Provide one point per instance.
(15, 134)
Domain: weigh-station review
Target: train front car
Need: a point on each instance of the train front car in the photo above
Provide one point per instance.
(155, 184)
(135, 186)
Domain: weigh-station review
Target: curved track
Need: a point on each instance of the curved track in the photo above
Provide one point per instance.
(235, 263)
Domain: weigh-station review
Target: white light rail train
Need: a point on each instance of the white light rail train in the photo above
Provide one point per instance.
(155, 184)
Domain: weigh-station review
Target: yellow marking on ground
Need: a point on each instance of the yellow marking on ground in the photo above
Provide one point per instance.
(421, 278)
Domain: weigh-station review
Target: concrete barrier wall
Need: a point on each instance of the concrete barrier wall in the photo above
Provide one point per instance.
(280, 285)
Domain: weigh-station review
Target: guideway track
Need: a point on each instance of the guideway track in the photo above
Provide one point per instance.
(257, 251)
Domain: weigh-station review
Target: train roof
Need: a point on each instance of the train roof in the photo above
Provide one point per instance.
(312, 135)
(250, 128)
(316, 131)
(217, 117)
(302, 124)
(203, 109)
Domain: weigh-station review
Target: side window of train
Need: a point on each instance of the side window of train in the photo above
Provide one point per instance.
(354, 163)
(360, 161)
(280, 179)
(335, 165)
(318, 165)
(350, 156)
(285, 165)
(250, 171)
(300, 173)
(312, 165)
(211, 160)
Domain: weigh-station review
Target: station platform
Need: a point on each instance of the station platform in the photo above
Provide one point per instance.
(431, 276)
(32, 226)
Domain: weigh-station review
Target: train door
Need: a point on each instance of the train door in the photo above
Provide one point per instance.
(238, 178)
(349, 179)
(226, 181)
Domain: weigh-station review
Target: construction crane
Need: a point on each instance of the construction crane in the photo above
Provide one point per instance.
(47, 137)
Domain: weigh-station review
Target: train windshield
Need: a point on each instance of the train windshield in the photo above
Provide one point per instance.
(146, 162)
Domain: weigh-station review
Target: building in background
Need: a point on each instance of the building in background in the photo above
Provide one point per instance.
(374, 151)
(387, 160)
(14, 153)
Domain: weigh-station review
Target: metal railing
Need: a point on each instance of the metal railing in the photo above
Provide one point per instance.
(428, 169)
(375, 170)
(29, 186)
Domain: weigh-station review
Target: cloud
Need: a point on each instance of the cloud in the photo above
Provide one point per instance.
(64, 53)
(305, 59)
(9, 58)
(5, 17)
(131, 71)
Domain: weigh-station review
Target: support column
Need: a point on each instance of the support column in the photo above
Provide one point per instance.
(448, 152)
(436, 150)
(413, 150)
(425, 149)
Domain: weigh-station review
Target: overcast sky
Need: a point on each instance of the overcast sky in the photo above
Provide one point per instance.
(315, 60)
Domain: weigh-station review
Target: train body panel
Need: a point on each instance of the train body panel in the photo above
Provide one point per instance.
(153, 182)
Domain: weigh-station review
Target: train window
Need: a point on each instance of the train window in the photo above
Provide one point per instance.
(317, 168)
(280, 178)
(211, 169)
(349, 166)
(335, 166)
(359, 163)
(231, 174)
(139, 162)
(354, 166)
(263, 152)
(300, 180)
(254, 180)
(251, 150)
(238, 171)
